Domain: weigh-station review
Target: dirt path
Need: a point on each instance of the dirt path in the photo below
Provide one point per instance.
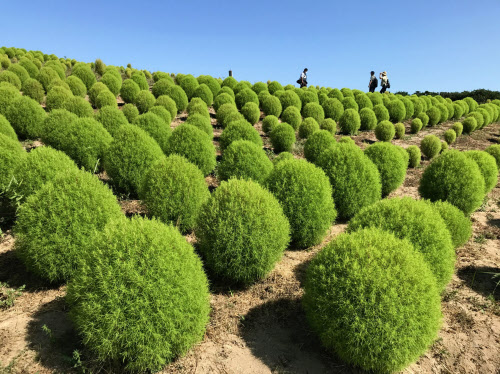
(262, 329)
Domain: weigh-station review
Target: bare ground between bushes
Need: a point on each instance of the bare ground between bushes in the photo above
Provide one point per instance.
(262, 329)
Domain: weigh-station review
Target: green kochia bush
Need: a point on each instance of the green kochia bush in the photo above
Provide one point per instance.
(430, 146)
(494, 150)
(317, 143)
(434, 115)
(144, 100)
(212, 83)
(416, 125)
(8, 94)
(458, 128)
(271, 105)
(113, 83)
(242, 231)
(385, 131)
(350, 122)
(381, 112)
(164, 114)
(290, 98)
(222, 99)
(201, 122)
(161, 87)
(189, 84)
(315, 111)
(76, 86)
(333, 109)
(368, 119)
(291, 115)
(239, 130)
(10, 77)
(373, 300)
(305, 194)
(354, 178)
(180, 98)
(244, 96)
(131, 112)
(155, 127)
(174, 191)
(95, 90)
(6, 128)
(458, 224)
(26, 117)
(41, 165)
(308, 127)
(397, 110)
(487, 166)
(244, 160)
(79, 106)
(86, 75)
(56, 224)
(455, 178)
(111, 118)
(169, 104)
(195, 145)
(204, 93)
(268, 123)
(11, 156)
(251, 112)
(328, 124)
(129, 91)
(390, 163)
(415, 156)
(228, 113)
(129, 156)
(33, 89)
(450, 136)
(282, 137)
(469, 124)
(167, 304)
(418, 222)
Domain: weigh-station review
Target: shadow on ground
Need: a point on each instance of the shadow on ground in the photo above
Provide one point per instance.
(484, 280)
(278, 334)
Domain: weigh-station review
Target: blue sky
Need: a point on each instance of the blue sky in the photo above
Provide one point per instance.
(439, 45)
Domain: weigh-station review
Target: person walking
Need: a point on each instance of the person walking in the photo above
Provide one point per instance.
(303, 79)
(373, 82)
(384, 82)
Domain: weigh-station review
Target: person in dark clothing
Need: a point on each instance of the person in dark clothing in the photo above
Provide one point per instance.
(303, 79)
(373, 82)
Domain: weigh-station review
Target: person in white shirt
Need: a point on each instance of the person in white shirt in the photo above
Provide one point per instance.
(303, 78)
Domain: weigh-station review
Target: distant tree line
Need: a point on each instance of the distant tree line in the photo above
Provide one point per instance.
(480, 95)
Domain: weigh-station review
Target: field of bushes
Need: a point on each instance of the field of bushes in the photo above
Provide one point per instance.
(158, 222)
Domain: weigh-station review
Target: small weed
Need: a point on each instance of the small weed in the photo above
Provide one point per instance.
(464, 320)
(481, 239)
(450, 296)
(9, 295)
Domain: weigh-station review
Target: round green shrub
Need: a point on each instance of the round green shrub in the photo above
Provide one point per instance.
(457, 223)
(8, 94)
(4, 61)
(130, 155)
(169, 104)
(106, 98)
(222, 99)
(443, 111)
(7, 129)
(244, 160)
(494, 150)
(434, 115)
(391, 164)
(350, 103)
(355, 189)
(58, 83)
(201, 122)
(416, 125)
(487, 166)
(336, 94)
(385, 131)
(308, 127)
(317, 143)
(34, 89)
(282, 137)
(76, 86)
(161, 87)
(56, 97)
(26, 117)
(162, 113)
(381, 340)
(111, 118)
(245, 96)
(242, 231)
(55, 124)
(10, 77)
(195, 145)
(239, 130)
(329, 125)
(381, 113)
(397, 110)
(450, 136)
(211, 83)
(21, 72)
(350, 122)
(472, 104)
(174, 190)
(46, 76)
(156, 127)
(41, 165)
(251, 112)
(56, 224)
(469, 124)
(430, 146)
(129, 91)
(241, 85)
(458, 128)
(424, 118)
(158, 75)
(130, 111)
(283, 156)
(204, 93)
(455, 178)
(177, 94)
(418, 107)
(227, 90)
(274, 86)
(189, 84)
(415, 156)
(333, 109)
(305, 194)
(269, 122)
(229, 82)
(79, 106)
(458, 111)
(11, 155)
(363, 101)
(58, 67)
(291, 115)
(417, 222)
(168, 282)
(258, 87)
(139, 78)
(96, 89)
(315, 111)
(409, 107)
(85, 74)
(113, 83)
(486, 117)
(368, 119)
(400, 130)
(271, 105)
(290, 98)
(228, 113)
(144, 100)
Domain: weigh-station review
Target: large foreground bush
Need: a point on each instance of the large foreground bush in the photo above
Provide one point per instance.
(373, 300)
(242, 231)
(455, 178)
(55, 226)
(305, 194)
(418, 222)
(26, 116)
(165, 309)
(354, 178)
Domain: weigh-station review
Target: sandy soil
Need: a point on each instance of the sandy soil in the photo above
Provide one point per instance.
(262, 329)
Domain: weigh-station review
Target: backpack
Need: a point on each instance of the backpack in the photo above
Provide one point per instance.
(374, 83)
(388, 84)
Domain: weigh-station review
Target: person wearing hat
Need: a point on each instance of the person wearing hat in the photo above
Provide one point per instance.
(384, 82)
